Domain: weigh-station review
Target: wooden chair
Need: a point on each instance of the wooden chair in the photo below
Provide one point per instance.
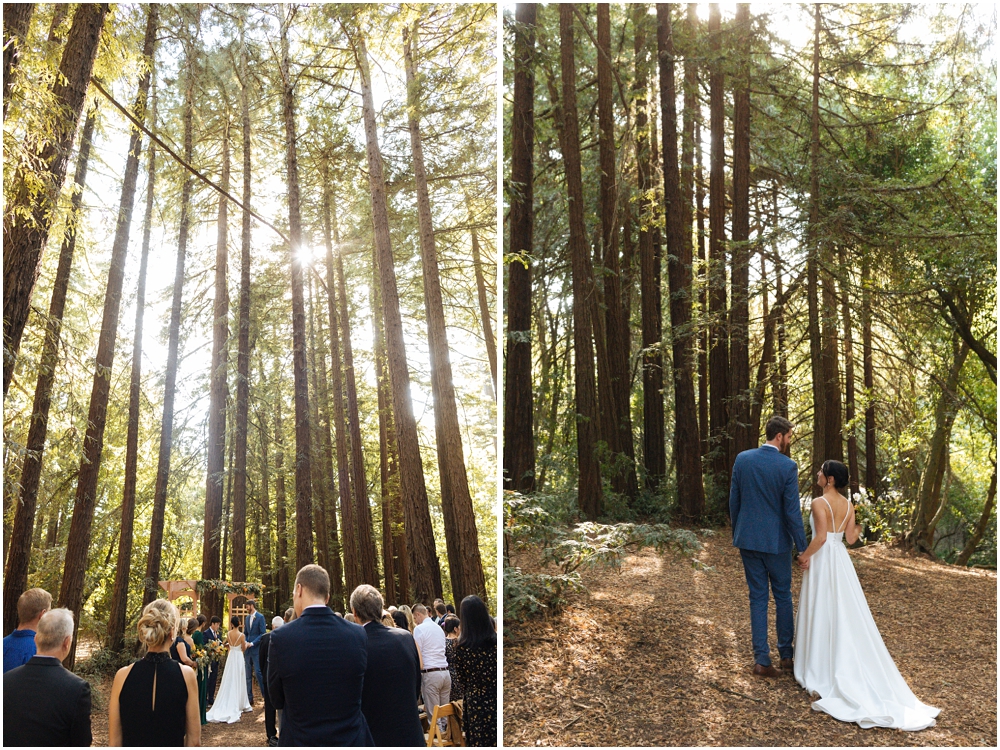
(453, 736)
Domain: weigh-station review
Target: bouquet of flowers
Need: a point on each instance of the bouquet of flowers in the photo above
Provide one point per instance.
(214, 650)
(203, 660)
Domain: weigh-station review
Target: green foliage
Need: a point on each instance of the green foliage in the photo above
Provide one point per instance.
(105, 661)
(529, 594)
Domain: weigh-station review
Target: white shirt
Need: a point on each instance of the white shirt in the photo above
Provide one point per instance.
(430, 637)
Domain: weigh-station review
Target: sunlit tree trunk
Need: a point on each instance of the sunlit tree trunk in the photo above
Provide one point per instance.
(852, 440)
(485, 316)
(281, 512)
(819, 453)
(703, 327)
(984, 520)
(322, 492)
(16, 20)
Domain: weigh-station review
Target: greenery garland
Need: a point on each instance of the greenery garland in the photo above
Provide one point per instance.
(228, 587)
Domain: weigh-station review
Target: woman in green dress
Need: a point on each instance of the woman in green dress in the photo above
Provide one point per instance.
(199, 641)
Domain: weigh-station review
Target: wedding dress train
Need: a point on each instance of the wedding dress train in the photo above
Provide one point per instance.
(231, 701)
(839, 652)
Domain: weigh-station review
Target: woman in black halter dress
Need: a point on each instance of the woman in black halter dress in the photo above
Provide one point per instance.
(155, 700)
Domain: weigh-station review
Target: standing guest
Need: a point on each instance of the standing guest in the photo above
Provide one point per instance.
(198, 636)
(212, 634)
(400, 619)
(476, 665)
(44, 704)
(349, 617)
(316, 669)
(452, 630)
(253, 629)
(19, 646)
(392, 678)
(451, 609)
(387, 620)
(270, 726)
(435, 682)
(408, 613)
(438, 611)
(181, 650)
(289, 614)
(155, 700)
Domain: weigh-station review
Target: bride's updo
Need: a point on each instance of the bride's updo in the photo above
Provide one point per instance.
(158, 623)
(837, 472)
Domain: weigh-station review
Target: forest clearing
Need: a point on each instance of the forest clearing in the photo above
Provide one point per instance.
(659, 654)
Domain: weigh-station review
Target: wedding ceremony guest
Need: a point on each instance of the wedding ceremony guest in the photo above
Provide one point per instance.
(451, 609)
(452, 630)
(253, 630)
(435, 683)
(392, 608)
(212, 634)
(476, 665)
(19, 646)
(408, 614)
(44, 704)
(387, 620)
(198, 637)
(349, 617)
(289, 615)
(270, 727)
(392, 677)
(440, 611)
(315, 670)
(154, 701)
(182, 648)
(400, 619)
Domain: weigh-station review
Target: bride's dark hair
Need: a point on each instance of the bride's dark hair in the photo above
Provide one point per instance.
(838, 472)
(234, 621)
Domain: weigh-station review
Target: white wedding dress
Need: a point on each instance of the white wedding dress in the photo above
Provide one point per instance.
(839, 652)
(231, 701)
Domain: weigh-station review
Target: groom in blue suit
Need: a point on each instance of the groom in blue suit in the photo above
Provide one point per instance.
(253, 631)
(767, 519)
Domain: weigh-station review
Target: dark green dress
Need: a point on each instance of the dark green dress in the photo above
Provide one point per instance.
(199, 641)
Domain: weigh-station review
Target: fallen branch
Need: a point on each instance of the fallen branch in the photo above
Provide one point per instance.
(733, 692)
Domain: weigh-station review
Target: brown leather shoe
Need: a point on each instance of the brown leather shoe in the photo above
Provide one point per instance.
(761, 671)
(787, 665)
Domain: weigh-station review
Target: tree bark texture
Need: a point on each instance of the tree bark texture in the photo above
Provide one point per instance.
(24, 238)
(518, 428)
(484, 306)
(71, 594)
(849, 405)
(425, 571)
(819, 452)
(461, 535)
(871, 453)
(281, 512)
(16, 20)
(984, 520)
(322, 494)
(703, 327)
(15, 579)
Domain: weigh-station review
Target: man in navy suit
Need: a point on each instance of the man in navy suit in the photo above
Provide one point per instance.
(316, 670)
(212, 634)
(253, 630)
(767, 518)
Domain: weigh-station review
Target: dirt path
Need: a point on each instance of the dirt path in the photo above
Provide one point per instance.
(660, 654)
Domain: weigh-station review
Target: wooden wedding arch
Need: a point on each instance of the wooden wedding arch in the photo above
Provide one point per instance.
(232, 591)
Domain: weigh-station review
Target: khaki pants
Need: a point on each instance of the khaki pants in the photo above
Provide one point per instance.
(436, 690)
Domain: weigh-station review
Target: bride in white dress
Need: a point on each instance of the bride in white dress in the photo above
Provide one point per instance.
(232, 701)
(839, 652)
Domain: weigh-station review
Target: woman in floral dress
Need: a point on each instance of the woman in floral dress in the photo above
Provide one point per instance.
(476, 667)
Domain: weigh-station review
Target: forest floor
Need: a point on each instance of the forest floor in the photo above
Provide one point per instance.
(660, 654)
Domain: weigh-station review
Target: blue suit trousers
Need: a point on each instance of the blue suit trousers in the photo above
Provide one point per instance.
(251, 657)
(762, 569)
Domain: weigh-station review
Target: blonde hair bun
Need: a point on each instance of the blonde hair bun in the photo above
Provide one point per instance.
(158, 623)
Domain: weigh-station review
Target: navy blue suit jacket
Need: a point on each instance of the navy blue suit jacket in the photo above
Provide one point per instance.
(254, 628)
(315, 674)
(764, 502)
(392, 682)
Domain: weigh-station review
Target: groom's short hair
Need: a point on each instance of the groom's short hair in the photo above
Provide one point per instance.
(315, 580)
(777, 425)
(366, 601)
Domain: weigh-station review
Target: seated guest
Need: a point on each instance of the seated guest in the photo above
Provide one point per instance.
(154, 701)
(19, 646)
(316, 669)
(392, 678)
(452, 631)
(436, 680)
(264, 644)
(44, 704)
(400, 619)
(476, 665)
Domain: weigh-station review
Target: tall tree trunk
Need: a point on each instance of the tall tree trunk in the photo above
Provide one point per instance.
(303, 443)
(485, 316)
(616, 324)
(984, 520)
(37, 194)
(226, 512)
(389, 456)
(16, 20)
(461, 535)
(518, 428)
(780, 384)
(352, 564)
(871, 454)
(690, 490)
(284, 580)
(123, 568)
(819, 452)
(718, 355)
(265, 561)
(739, 334)
(425, 570)
(210, 602)
(852, 440)
(316, 361)
(71, 594)
(15, 579)
(218, 396)
(703, 327)
(654, 440)
(589, 492)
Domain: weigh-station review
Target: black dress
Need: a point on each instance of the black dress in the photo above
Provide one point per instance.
(179, 641)
(477, 670)
(142, 726)
(450, 644)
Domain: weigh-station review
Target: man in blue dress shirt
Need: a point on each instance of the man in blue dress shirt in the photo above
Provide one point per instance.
(767, 518)
(253, 630)
(19, 646)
